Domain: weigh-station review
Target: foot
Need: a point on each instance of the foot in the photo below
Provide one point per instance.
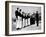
(18, 28)
(27, 25)
(24, 26)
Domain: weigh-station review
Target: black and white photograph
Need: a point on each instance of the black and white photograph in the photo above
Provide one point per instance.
(26, 18)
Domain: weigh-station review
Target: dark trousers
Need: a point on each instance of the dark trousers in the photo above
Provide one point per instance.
(37, 23)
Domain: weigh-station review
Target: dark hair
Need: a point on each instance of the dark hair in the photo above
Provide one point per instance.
(36, 11)
(17, 8)
(20, 9)
(23, 12)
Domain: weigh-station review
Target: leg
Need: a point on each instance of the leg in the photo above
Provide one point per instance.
(37, 23)
(25, 23)
(22, 22)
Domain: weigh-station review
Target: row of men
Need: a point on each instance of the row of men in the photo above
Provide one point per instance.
(23, 20)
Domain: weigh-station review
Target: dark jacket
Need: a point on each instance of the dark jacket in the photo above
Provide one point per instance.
(37, 16)
(16, 14)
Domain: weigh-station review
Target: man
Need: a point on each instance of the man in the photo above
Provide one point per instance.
(28, 19)
(19, 21)
(33, 17)
(23, 17)
(16, 14)
(37, 18)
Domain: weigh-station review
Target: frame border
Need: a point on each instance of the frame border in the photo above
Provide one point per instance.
(7, 17)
